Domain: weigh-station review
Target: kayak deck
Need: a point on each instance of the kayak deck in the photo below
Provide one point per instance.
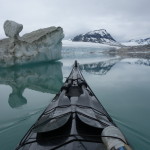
(73, 120)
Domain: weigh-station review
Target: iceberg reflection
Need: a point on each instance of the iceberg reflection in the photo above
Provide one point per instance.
(43, 77)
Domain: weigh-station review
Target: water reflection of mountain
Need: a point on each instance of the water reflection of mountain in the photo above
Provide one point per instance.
(99, 68)
(43, 77)
(145, 62)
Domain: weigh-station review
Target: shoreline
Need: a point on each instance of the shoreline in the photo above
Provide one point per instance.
(131, 52)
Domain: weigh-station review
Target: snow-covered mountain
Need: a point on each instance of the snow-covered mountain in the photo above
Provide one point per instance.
(97, 36)
(136, 42)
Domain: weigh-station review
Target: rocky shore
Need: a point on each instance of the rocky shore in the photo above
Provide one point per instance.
(132, 52)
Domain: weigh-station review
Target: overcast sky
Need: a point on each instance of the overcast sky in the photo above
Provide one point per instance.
(123, 19)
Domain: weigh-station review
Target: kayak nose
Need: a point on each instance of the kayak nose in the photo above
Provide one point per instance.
(76, 63)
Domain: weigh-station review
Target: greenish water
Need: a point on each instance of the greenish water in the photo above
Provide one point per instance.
(122, 86)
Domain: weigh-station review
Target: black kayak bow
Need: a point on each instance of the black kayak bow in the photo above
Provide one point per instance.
(75, 119)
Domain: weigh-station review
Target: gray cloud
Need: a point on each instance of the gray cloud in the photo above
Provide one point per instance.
(124, 19)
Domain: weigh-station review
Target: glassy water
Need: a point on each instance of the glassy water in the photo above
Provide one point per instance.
(122, 86)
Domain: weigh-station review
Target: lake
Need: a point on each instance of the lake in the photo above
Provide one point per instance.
(122, 86)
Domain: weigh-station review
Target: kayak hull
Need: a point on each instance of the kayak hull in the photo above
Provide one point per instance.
(73, 120)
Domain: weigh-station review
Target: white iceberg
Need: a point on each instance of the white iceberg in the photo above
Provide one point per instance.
(38, 46)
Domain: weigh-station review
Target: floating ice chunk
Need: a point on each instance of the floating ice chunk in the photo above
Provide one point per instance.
(38, 46)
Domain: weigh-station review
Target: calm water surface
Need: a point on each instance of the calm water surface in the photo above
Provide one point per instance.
(122, 85)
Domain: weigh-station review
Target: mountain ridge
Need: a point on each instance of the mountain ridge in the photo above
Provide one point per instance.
(142, 41)
(137, 42)
(96, 36)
